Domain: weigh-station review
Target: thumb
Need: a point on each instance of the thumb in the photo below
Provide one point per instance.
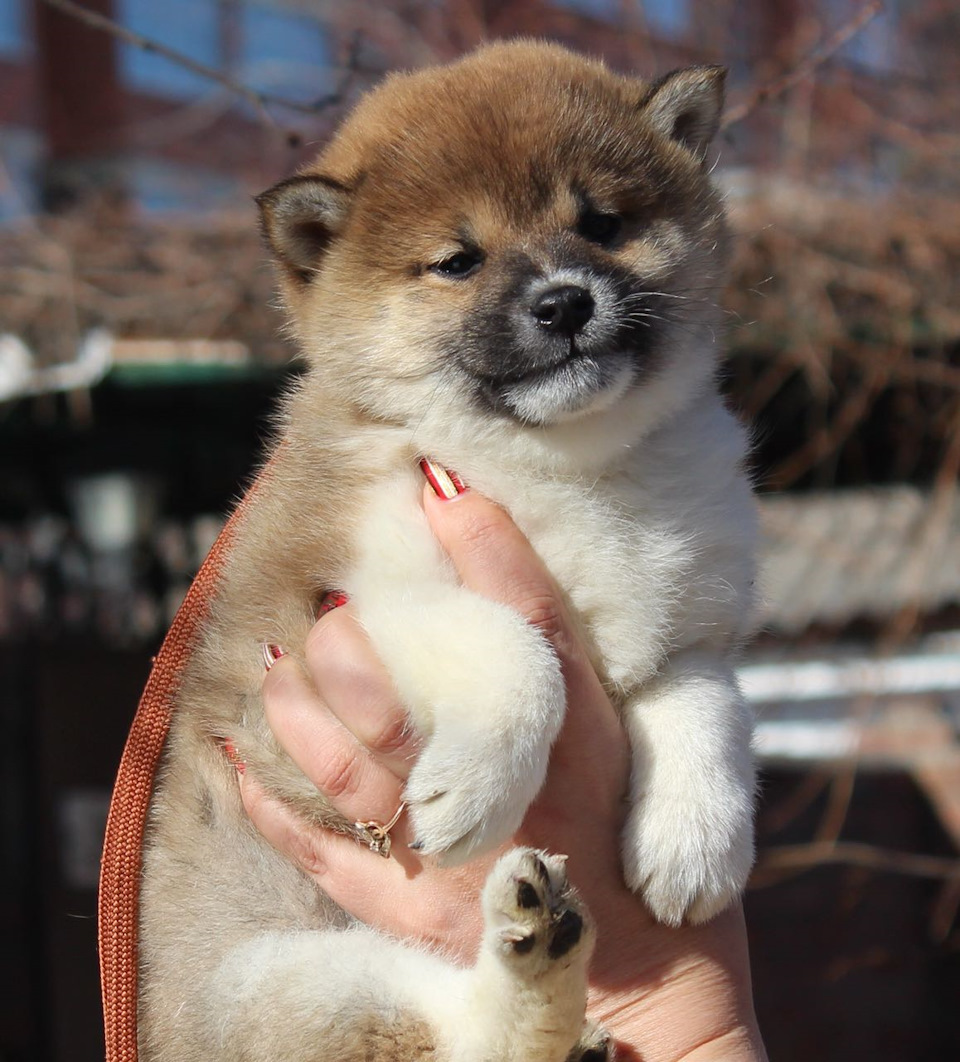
(494, 559)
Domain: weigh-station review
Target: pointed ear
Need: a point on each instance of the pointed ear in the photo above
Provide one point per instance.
(686, 104)
(300, 217)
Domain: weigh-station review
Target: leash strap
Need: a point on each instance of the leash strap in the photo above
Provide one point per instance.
(120, 868)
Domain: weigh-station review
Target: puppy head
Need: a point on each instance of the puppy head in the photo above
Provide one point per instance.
(521, 239)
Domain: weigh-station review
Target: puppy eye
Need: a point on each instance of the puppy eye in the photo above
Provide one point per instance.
(599, 228)
(461, 264)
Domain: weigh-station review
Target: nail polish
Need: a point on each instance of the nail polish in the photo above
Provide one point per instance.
(233, 755)
(271, 654)
(331, 599)
(446, 484)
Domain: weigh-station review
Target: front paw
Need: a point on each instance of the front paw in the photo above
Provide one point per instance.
(486, 691)
(689, 860)
(469, 793)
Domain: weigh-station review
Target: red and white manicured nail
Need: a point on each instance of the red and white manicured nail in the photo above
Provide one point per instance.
(446, 484)
(331, 599)
(233, 755)
(271, 654)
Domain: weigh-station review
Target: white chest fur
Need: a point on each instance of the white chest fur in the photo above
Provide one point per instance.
(657, 560)
(657, 556)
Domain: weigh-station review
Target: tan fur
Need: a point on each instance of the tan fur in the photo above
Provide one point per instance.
(497, 144)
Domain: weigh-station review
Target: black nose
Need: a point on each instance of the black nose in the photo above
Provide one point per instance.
(563, 309)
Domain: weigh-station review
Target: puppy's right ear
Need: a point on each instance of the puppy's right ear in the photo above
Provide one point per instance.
(300, 217)
(685, 105)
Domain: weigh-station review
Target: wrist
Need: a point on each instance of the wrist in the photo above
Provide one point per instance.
(673, 995)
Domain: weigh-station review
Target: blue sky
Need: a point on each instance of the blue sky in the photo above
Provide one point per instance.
(281, 51)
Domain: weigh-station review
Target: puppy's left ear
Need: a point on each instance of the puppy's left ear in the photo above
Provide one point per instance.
(685, 105)
(301, 216)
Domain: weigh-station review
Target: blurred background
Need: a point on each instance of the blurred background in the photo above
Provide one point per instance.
(140, 356)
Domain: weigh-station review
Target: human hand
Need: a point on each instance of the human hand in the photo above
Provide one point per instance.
(668, 994)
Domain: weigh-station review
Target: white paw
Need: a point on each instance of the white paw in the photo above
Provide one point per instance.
(470, 790)
(689, 860)
(486, 691)
(534, 917)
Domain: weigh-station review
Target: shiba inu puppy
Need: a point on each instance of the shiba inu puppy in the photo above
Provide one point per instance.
(511, 265)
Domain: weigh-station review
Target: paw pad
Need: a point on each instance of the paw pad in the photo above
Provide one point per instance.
(525, 944)
(566, 934)
(527, 895)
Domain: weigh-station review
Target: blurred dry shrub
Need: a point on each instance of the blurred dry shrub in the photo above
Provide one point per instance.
(844, 298)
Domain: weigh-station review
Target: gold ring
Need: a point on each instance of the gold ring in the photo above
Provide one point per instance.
(376, 835)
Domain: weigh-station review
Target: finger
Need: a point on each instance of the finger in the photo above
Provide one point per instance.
(358, 880)
(493, 557)
(358, 785)
(353, 683)
(334, 860)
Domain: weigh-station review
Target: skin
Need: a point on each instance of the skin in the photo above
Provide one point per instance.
(665, 994)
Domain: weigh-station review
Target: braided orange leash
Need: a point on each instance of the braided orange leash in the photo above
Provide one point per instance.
(123, 842)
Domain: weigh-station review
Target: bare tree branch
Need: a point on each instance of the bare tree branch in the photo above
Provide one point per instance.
(802, 70)
(870, 857)
(260, 101)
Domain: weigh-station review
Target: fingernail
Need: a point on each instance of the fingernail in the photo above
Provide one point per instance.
(233, 755)
(331, 599)
(446, 484)
(271, 654)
